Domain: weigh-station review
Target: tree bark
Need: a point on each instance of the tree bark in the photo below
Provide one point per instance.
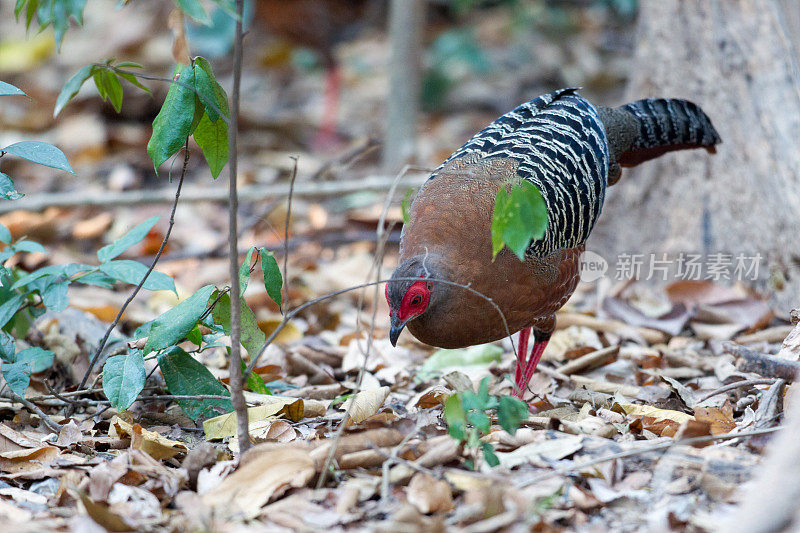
(735, 59)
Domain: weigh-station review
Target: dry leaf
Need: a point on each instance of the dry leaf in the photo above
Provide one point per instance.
(365, 404)
(720, 419)
(70, 434)
(11, 439)
(150, 442)
(101, 514)
(27, 459)
(94, 227)
(223, 426)
(429, 495)
(272, 430)
(259, 479)
(663, 422)
(180, 48)
(543, 450)
(430, 397)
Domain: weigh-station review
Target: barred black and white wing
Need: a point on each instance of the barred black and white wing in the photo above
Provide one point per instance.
(559, 144)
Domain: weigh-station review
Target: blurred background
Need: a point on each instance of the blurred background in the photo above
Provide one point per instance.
(356, 89)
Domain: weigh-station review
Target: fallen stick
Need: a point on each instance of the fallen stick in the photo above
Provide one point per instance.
(590, 361)
(206, 194)
(652, 336)
(763, 364)
(776, 334)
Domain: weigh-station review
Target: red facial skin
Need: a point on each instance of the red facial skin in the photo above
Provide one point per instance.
(415, 301)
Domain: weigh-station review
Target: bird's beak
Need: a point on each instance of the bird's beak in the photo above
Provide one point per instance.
(396, 328)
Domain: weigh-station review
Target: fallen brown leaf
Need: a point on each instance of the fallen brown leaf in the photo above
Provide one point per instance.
(258, 480)
(429, 495)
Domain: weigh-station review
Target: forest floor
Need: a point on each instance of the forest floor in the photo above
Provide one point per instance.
(633, 371)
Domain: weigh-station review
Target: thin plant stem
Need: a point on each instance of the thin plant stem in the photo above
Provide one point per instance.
(122, 309)
(236, 381)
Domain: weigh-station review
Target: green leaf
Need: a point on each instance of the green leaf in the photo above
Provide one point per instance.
(455, 417)
(194, 9)
(480, 420)
(113, 89)
(5, 234)
(220, 97)
(204, 85)
(7, 348)
(6, 89)
(41, 153)
(481, 355)
(195, 336)
(123, 379)
(212, 138)
(9, 308)
(109, 252)
(97, 76)
(72, 87)
(273, 280)
(132, 272)
(489, 455)
(255, 382)
(54, 295)
(39, 359)
(130, 77)
(173, 326)
(405, 205)
(511, 412)
(18, 376)
(252, 338)
(244, 270)
(173, 124)
(29, 247)
(186, 376)
(518, 218)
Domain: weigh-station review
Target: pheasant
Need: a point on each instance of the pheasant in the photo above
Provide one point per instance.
(571, 151)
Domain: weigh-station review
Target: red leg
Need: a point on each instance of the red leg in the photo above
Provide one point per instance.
(536, 356)
(522, 355)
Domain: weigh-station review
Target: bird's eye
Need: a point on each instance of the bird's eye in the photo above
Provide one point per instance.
(416, 300)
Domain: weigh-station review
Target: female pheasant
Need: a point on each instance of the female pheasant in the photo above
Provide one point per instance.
(571, 151)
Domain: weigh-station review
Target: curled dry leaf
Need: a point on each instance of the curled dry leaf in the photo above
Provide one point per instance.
(365, 404)
(261, 478)
(28, 459)
(430, 397)
(11, 439)
(104, 516)
(272, 430)
(155, 445)
(662, 422)
(223, 426)
(429, 495)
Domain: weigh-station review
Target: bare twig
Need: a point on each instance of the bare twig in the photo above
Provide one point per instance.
(318, 189)
(644, 449)
(763, 364)
(122, 309)
(239, 403)
(49, 422)
(376, 266)
(736, 385)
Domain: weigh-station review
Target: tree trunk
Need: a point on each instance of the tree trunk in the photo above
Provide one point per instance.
(735, 59)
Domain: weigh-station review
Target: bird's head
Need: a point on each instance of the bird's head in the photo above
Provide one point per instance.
(410, 293)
